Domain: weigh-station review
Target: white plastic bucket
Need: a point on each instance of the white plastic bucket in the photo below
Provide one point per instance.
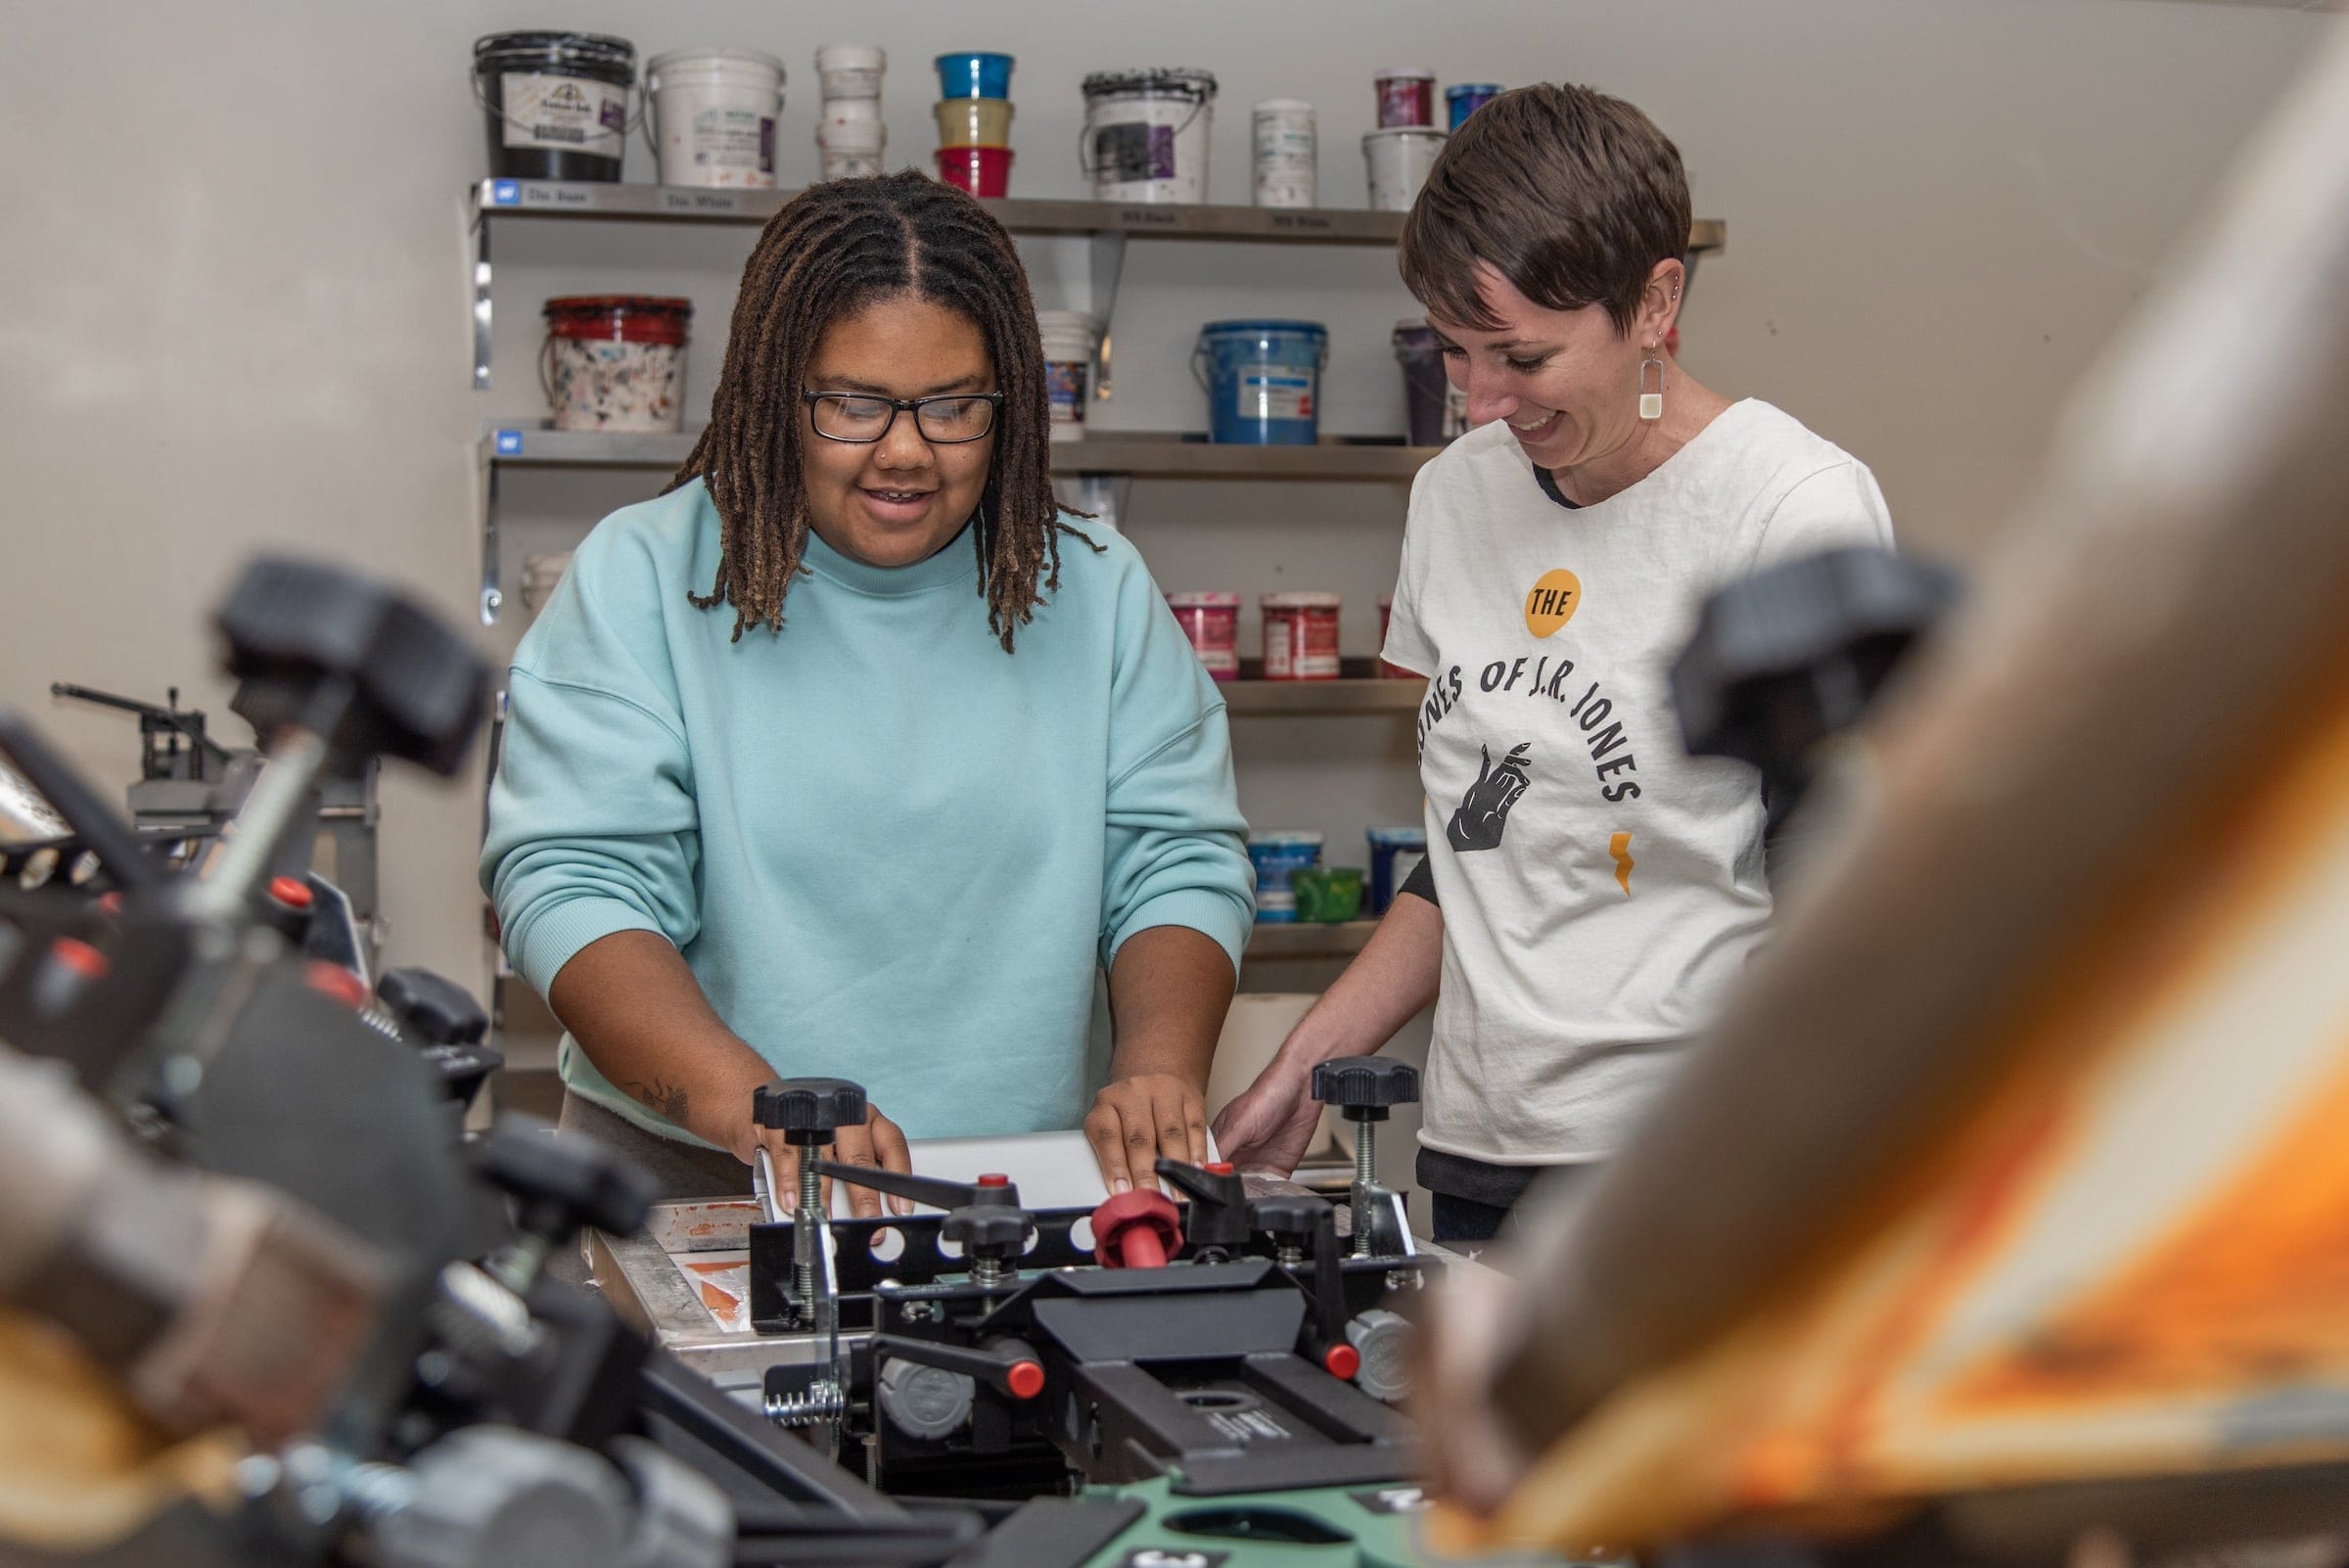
(849, 111)
(851, 71)
(1399, 163)
(1285, 164)
(850, 149)
(1146, 134)
(712, 116)
(1070, 339)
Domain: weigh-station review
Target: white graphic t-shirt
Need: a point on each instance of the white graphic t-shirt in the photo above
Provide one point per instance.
(1600, 888)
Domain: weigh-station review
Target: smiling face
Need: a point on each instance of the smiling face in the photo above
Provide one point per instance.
(900, 499)
(1566, 380)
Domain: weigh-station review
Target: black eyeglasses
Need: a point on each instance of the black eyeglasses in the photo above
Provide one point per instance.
(861, 417)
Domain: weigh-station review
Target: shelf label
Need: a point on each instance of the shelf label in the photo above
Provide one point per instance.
(687, 200)
(508, 443)
(505, 193)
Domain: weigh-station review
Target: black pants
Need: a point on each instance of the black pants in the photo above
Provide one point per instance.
(1469, 1200)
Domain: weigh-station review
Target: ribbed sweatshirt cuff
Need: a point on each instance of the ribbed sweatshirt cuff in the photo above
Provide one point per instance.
(555, 936)
(1215, 915)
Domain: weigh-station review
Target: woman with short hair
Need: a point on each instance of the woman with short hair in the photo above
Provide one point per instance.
(1590, 889)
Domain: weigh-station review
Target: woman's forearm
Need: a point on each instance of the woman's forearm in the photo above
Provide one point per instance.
(1168, 994)
(1389, 982)
(633, 1006)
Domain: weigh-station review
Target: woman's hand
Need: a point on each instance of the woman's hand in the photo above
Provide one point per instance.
(1269, 1125)
(1135, 1119)
(879, 1143)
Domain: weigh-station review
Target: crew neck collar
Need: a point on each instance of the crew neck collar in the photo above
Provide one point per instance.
(953, 565)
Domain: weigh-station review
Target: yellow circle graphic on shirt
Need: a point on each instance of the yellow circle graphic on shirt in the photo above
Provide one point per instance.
(1554, 602)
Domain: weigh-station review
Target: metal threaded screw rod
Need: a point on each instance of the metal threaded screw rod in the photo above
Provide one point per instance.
(811, 1197)
(1366, 1175)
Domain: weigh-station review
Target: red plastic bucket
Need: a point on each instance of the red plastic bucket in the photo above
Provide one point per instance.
(979, 170)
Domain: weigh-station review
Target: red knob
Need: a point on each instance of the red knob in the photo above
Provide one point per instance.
(332, 980)
(78, 956)
(292, 892)
(1137, 1229)
(1026, 1380)
(1343, 1362)
(993, 1179)
(1219, 1168)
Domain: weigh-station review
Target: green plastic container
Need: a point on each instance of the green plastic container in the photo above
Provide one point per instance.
(1327, 894)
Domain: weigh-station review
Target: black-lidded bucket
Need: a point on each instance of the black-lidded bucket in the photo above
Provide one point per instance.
(557, 103)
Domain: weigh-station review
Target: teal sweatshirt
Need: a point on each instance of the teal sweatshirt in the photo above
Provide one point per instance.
(889, 851)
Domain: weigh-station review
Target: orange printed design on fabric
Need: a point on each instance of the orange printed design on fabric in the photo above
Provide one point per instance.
(1620, 846)
(1552, 602)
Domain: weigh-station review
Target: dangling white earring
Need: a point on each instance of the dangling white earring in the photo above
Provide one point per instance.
(1651, 403)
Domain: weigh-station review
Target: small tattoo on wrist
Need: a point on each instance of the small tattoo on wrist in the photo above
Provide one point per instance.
(667, 1099)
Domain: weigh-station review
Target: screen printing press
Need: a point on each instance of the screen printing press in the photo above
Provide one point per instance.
(1124, 1380)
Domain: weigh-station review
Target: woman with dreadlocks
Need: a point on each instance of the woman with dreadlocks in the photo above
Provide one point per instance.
(852, 756)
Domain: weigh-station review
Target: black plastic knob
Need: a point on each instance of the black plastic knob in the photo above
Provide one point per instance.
(985, 1233)
(1362, 1088)
(1792, 656)
(1288, 1221)
(1219, 1195)
(809, 1110)
(436, 1008)
(373, 672)
(561, 1182)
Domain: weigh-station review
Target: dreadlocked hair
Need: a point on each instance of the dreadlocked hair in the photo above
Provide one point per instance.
(832, 250)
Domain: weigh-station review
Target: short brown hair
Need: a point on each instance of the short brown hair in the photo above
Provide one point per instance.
(1572, 196)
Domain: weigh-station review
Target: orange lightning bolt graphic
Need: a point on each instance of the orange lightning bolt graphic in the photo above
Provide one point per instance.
(1620, 846)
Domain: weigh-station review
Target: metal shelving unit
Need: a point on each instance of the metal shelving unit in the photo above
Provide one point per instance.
(1101, 466)
(1108, 224)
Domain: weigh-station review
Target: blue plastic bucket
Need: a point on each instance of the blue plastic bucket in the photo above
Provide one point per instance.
(974, 75)
(1395, 853)
(1263, 381)
(1467, 98)
(1275, 855)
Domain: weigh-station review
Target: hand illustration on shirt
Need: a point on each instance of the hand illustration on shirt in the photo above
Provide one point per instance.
(1484, 809)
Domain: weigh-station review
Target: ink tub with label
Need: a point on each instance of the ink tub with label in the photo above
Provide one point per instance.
(1146, 134)
(557, 103)
(1300, 635)
(1212, 622)
(616, 362)
(711, 114)
(1275, 855)
(1406, 95)
(1395, 854)
(1263, 381)
(1071, 338)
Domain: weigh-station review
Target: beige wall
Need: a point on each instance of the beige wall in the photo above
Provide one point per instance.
(232, 288)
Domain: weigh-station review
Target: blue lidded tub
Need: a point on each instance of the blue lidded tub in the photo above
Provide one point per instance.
(974, 75)
(1275, 855)
(1395, 854)
(1263, 381)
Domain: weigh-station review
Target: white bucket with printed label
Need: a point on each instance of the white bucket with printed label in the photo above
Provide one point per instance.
(712, 116)
(1285, 163)
(1400, 160)
(1070, 338)
(1146, 134)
